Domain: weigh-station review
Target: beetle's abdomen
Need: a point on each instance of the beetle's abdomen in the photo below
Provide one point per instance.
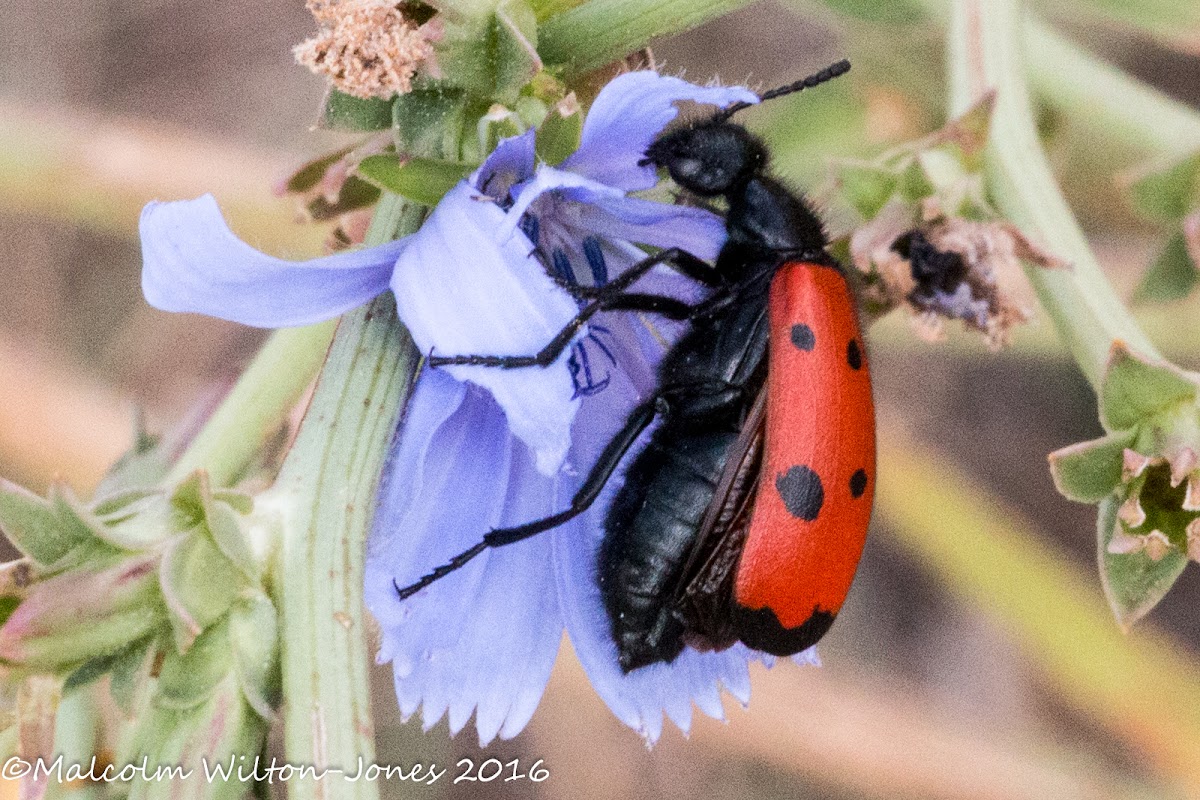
(651, 528)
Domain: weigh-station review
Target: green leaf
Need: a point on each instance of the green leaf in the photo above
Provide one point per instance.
(893, 12)
(1090, 471)
(310, 174)
(199, 584)
(601, 31)
(254, 634)
(1135, 389)
(1172, 275)
(353, 195)
(1170, 194)
(34, 527)
(422, 180)
(343, 112)
(189, 678)
(867, 187)
(1133, 583)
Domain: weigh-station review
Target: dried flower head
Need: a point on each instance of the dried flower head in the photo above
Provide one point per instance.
(367, 48)
(952, 268)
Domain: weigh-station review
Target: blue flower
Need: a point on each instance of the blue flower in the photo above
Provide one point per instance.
(481, 448)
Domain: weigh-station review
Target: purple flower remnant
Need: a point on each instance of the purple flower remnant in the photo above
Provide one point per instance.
(481, 447)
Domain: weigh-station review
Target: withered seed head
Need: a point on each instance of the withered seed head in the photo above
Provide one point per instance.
(367, 48)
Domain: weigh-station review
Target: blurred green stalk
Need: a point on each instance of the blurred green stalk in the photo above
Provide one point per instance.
(1142, 686)
(983, 43)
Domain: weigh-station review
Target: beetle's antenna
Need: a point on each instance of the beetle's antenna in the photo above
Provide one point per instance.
(816, 79)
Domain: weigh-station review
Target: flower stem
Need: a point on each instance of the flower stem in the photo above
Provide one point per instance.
(983, 50)
(326, 495)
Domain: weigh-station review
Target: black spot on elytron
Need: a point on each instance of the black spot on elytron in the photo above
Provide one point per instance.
(858, 483)
(803, 337)
(760, 629)
(801, 491)
(854, 355)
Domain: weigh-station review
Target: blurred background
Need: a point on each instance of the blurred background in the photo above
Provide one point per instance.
(976, 657)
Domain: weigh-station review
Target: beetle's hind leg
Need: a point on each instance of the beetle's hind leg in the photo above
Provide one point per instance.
(601, 471)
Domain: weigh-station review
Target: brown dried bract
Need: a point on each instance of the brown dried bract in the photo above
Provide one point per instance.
(949, 268)
(366, 48)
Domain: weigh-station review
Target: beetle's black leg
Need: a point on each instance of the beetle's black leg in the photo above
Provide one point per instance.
(680, 260)
(639, 419)
(662, 305)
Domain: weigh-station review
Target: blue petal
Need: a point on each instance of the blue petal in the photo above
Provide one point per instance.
(463, 290)
(627, 116)
(191, 261)
(699, 232)
(483, 639)
(510, 163)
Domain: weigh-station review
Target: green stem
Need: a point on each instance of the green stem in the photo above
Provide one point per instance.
(983, 43)
(325, 495)
(601, 31)
(1106, 99)
(266, 391)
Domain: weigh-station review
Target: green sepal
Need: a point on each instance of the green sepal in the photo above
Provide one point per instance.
(558, 136)
(129, 676)
(34, 526)
(254, 636)
(198, 585)
(517, 59)
(221, 728)
(489, 47)
(143, 465)
(422, 180)
(189, 678)
(1135, 388)
(422, 119)
(1090, 471)
(343, 112)
(95, 668)
(83, 614)
(1134, 583)
(225, 525)
(1172, 276)
(1170, 194)
(140, 524)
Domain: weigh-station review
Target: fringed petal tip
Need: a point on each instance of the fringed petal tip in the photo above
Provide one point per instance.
(192, 262)
(481, 642)
(628, 115)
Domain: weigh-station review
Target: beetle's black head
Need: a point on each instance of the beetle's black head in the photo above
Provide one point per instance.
(709, 159)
